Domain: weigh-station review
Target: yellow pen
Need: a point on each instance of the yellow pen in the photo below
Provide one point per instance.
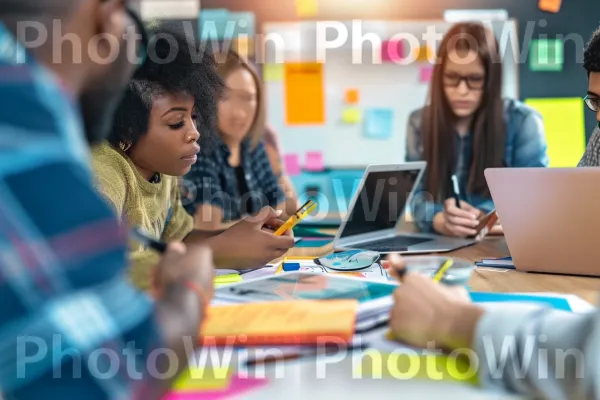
(302, 212)
(441, 271)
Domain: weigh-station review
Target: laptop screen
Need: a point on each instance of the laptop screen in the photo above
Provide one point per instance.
(381, 201)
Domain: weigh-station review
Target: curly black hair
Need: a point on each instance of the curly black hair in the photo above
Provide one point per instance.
(591, 56)
(176, 63)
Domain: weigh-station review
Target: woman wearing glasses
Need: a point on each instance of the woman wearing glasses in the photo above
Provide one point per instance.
(467, 127)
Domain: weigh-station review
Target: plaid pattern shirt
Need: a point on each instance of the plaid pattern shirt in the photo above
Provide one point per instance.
(213, 181)
(69, 319)
(591, 157)
(525, 147)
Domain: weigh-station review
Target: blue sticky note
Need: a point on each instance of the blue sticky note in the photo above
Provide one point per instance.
(379, 123)
(558, 303)
(216, 24)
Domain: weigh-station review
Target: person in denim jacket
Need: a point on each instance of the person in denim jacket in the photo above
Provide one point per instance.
(468, 127)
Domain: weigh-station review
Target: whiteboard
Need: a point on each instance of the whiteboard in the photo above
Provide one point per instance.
(386, 85)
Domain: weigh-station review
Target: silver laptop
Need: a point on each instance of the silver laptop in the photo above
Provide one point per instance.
(376, 218)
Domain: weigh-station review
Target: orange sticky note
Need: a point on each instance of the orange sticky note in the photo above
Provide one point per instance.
(423, 54)
(352, 96)
(304, 94)
(550, 5)
(280, 322)
(244, 46)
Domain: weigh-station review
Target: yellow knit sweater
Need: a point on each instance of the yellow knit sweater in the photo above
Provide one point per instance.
(155, 207)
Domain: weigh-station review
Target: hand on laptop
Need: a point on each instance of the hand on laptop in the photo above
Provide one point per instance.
(454, 221)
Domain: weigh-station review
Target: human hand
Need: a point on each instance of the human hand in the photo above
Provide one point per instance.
(458, 222)
(248, 244)
(425, 311)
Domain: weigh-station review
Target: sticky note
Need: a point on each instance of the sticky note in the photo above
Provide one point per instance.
(352, 96)
(423, 54)
(409, 364)
(378, 123)
(244, 46)
(280, 322)
(194, 379)
(552, 6)
(425, 74)
(216, 24)
(313, 161)
(238, 386)
(564, 124)
(291, 164)
(304, 94)
(392, 50)
(546, 55)
(351, 116)
(273, 72)
(307, 8)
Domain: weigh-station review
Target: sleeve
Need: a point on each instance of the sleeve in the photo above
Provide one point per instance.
(540, 352)
(265, 176)
(422, 207)
(179, 223)
(531, 149)
(202, 185)
(110, 183)
(70, 300)
(591, 157)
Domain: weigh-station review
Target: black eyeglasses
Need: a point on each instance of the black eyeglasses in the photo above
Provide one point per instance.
(593, 103)
(474, 82)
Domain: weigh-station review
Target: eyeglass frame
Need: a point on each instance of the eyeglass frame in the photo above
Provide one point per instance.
(587, 100)
(462, 78)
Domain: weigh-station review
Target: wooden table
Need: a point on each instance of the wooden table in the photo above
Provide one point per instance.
(494, 280)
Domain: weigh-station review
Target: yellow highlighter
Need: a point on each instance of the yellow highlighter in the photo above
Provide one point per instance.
(302, 212)
(227, 279)
(441, 271)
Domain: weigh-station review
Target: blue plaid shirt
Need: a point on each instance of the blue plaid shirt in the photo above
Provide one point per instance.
(64, 292)
(213, 181)
(525, 147)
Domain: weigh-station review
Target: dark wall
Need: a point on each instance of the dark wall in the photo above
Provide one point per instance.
(578, 18)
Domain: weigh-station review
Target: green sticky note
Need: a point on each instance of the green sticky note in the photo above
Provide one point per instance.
(546, 55)
(564, 126)
(273, 72)
(351, 116)
(195, 379)
(407, 364)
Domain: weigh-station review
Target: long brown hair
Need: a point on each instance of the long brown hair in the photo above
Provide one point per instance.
(487, 127)
(225, 66)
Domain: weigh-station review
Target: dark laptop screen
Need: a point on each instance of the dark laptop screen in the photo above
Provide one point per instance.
(380, 202)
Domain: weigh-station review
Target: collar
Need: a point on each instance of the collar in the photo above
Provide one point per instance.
(245, 146)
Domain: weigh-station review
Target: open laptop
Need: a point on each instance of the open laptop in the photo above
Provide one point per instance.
(550, 217)
(376, 222)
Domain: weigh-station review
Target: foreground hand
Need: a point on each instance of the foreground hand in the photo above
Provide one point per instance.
(248, 245)
(458, 222)
(425, 311)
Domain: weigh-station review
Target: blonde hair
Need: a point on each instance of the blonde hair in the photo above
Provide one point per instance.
(231, 62)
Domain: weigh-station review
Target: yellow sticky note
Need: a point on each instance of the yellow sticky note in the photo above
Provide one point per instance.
(410, 364)
(195, 379)
(273, 72)
(304, 94)
(351, 116)
(423, 54)
(244, 46)
(564, 124)
(307, 8)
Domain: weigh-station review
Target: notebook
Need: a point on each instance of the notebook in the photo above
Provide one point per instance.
(305, 322)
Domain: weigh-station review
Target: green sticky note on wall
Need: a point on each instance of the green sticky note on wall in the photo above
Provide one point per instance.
(564, 124)
(546, 55)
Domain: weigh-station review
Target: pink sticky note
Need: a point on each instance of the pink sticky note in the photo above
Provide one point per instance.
(425, 74)
(291, 164)
(392, 50)
(237, 387)
(314, 161)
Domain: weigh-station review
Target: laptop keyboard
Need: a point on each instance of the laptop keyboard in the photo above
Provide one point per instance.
(398, 243)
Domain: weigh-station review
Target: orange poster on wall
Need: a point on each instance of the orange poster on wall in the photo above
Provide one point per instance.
(304, 94)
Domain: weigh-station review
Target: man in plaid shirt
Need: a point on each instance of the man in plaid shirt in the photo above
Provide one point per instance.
(70, 323)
